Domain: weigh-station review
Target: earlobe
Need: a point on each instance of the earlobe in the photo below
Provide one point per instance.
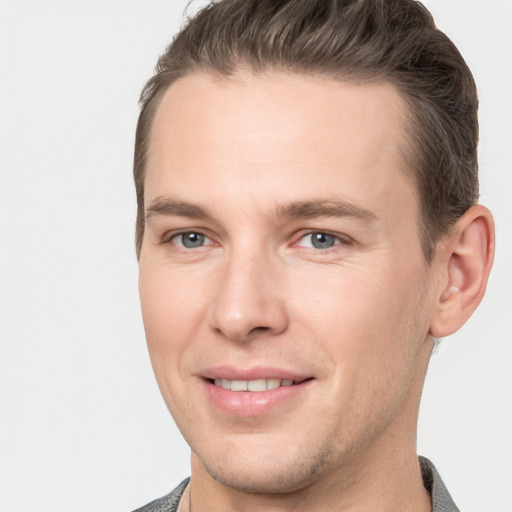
(466, 260)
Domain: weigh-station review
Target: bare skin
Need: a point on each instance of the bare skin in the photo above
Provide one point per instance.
(282, 243)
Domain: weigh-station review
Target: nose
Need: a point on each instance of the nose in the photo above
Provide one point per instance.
(249, 302)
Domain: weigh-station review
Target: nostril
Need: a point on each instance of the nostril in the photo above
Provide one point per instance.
(260, 329)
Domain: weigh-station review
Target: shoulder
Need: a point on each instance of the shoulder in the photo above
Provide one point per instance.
(168, 503)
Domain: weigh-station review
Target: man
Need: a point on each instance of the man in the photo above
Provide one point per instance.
(307, 228)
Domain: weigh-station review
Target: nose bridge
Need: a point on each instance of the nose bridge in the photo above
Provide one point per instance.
(248, 299)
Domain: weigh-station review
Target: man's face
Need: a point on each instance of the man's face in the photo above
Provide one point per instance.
(282, 249)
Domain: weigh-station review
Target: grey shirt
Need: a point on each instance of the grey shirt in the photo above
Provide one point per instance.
(441, 499)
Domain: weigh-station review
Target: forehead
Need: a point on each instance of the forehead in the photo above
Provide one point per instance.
(251, 133)
(199, 102)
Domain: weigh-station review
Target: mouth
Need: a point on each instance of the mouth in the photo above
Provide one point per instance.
(256, 385)
(255, 397)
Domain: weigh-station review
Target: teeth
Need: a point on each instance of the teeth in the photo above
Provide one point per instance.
(252, 385)
(257, 385)
(239, 385)
(273, 383)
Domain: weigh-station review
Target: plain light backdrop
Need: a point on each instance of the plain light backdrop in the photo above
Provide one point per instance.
(82, 423)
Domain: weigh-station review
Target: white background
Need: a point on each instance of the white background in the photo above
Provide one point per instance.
(82, 425)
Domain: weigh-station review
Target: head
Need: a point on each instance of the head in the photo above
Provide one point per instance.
(305, 178)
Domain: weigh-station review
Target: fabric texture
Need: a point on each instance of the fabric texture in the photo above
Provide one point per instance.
(168, 503)
(441, 499)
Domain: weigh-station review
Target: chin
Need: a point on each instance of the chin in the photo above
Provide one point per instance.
(268, 473)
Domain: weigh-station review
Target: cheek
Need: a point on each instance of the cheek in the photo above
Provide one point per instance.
(172, 309)
(371, 330)
(364, 318)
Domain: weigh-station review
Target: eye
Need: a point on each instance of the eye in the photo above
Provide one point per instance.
(320, 240)
(190, 240)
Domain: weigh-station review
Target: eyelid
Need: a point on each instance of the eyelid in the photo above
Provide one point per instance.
(342, 239)
(168, 237)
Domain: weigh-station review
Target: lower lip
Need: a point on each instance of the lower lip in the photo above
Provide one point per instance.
(252, 403)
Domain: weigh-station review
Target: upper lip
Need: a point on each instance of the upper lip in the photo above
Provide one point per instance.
(253, 373)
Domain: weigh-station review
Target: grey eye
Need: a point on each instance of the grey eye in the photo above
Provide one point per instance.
(190, 240)
(321, 240)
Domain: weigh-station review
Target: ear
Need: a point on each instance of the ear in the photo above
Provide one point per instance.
(465, 261)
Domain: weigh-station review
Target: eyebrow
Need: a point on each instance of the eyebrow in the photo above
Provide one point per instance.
(168, 206)
(329, 208)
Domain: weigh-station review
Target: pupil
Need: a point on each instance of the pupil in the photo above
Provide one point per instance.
(193, 240)
(322, 240)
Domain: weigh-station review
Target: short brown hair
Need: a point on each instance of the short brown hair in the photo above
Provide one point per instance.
(395, 41)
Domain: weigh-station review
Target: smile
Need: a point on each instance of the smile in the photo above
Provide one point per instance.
(257, 385)
(255, 397)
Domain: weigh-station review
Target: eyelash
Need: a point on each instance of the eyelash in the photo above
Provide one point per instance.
(338, 240)
(169, 239)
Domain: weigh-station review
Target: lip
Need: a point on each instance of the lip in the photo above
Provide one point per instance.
(253, 373)
(253, 404)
